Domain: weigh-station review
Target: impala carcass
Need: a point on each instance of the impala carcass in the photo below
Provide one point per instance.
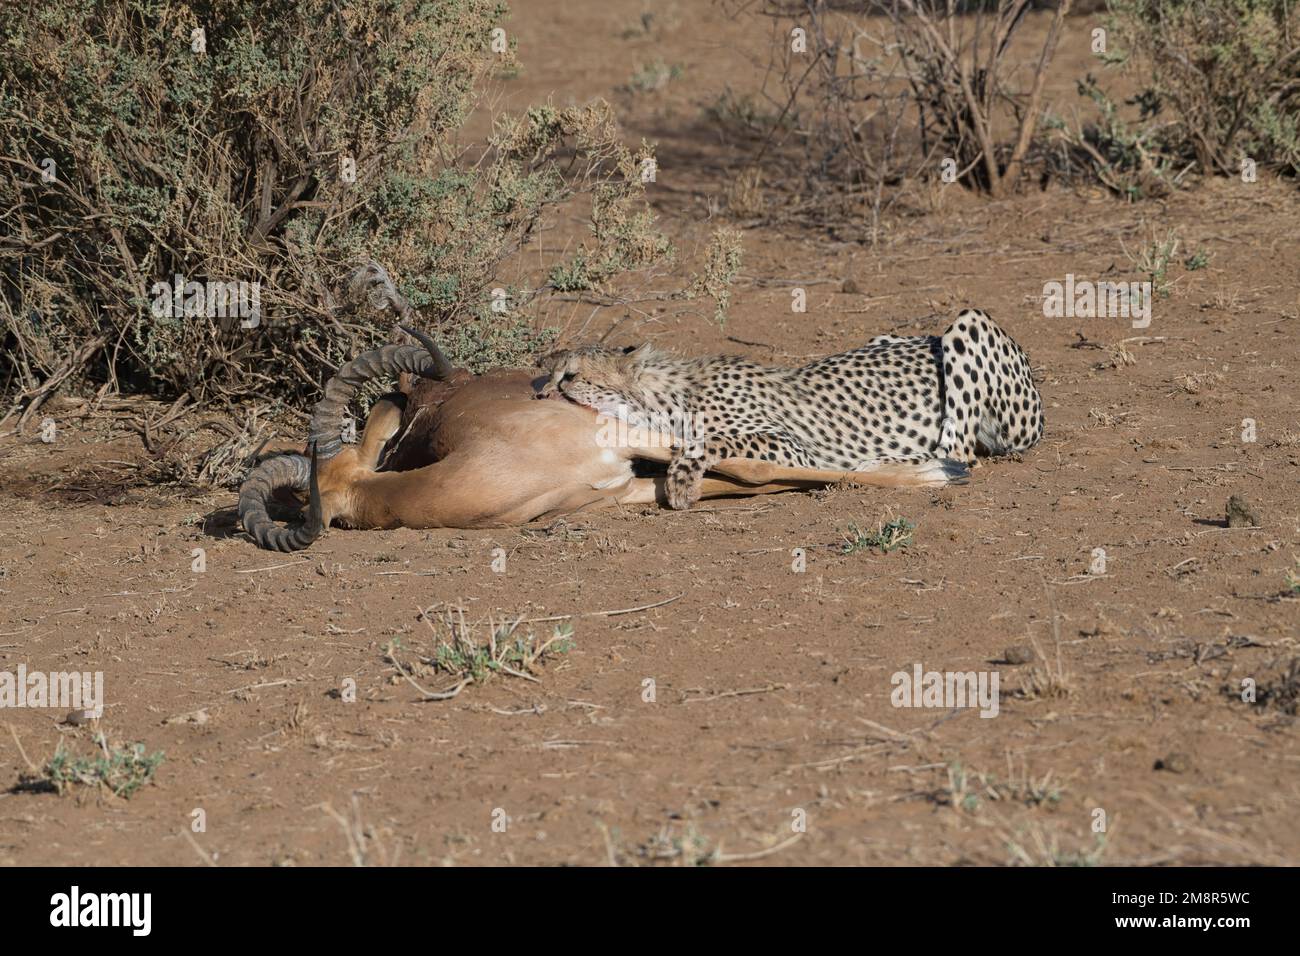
(454, 450)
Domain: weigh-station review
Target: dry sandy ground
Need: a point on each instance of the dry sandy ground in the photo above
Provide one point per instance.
(771, 735)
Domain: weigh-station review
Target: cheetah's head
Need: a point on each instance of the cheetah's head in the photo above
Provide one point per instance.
(603, 379)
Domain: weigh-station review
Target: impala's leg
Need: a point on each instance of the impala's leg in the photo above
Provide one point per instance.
(715, 487)
(337, 476)
(648, 491)
(384, 421)
(932, 472)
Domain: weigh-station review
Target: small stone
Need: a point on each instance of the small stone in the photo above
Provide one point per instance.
(1240, 514)
(1175, 763)
(1019, 654)
(75, 718)
(849, 287)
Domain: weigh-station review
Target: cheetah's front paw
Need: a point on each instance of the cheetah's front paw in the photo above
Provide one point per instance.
(683, 484)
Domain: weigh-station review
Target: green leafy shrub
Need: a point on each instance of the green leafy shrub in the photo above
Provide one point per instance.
(276, 144)
(1225, 73)
(1128, 157)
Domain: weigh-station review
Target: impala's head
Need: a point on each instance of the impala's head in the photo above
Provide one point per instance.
(609, 381)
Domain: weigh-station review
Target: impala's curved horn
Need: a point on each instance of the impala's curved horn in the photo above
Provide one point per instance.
(284, 471)
(426, 360)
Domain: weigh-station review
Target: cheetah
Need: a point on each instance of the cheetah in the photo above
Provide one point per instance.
(905, 399)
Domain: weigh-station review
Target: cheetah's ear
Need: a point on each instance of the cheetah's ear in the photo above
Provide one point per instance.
(634, 356)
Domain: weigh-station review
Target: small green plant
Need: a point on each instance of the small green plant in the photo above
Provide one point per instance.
(121, 770)
(689, 848)
(1198, 260)
(959, 795)
(468, 659)
(1153, 258)
(969, 789)
(1047, 679)
(652, 77)
(571, 276)
(1037, 847)
(1125, 157)
(721, 265)
(461, 659)
(1293, 578)
(887, 536)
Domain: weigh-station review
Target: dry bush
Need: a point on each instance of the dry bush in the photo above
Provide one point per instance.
(890, 89)
(958, 71)
(884, 91)
(276, 144)
(832, 129)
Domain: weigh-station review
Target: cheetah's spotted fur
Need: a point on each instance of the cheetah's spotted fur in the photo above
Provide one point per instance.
(906, 399)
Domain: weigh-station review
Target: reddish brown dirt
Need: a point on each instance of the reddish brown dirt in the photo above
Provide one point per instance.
(772, 688)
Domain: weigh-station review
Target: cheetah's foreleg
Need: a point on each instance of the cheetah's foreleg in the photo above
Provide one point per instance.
(690, 461)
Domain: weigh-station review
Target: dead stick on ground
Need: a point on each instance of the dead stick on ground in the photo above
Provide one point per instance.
(758, 854)
(273, 567)
(610, 855)
(890, 732)
(734, 693)
(22, 753)
(356, 844)
(428, 694)
(625, 610)
(273, 683)
(198, 849)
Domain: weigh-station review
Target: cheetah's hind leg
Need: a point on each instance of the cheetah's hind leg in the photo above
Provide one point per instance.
(989, 398)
